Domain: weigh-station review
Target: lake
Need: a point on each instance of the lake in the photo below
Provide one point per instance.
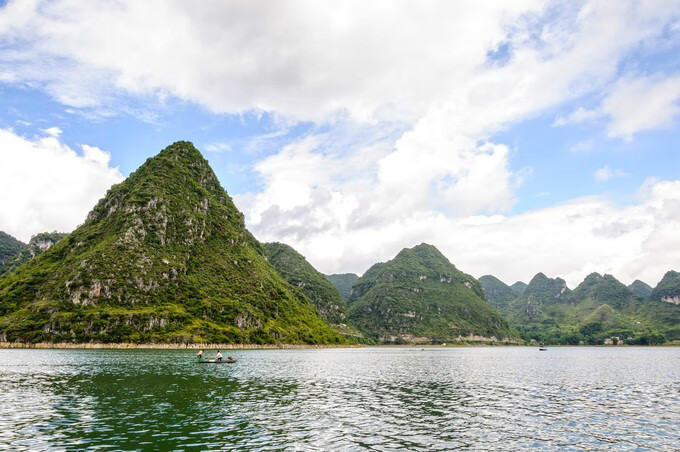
(381, 398)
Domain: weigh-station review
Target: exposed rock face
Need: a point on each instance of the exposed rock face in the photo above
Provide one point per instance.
(674, 300)
(420, 296)
(164, 256)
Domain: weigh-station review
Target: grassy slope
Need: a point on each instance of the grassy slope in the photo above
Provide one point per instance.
(164, 257)
(300, 273)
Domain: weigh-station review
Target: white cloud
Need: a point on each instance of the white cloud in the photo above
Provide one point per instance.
(638, 104)
(421, 69)
(218, 147)
(578, 116)
(632, 105)
(568, 240)
(303, 58)
(582, 146)
(606, 173)
(53, 131)
(46, 185)
(307, 59)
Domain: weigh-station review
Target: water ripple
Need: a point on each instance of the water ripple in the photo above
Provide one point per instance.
(342, 399)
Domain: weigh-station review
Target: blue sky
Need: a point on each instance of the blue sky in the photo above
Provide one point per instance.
(351, 132)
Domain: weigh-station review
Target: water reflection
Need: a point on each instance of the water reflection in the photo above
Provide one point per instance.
(379, 398)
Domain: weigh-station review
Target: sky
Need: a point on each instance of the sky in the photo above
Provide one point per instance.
(517, 137)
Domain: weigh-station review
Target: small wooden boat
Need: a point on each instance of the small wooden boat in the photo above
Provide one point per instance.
(543, 349)
(215, 361)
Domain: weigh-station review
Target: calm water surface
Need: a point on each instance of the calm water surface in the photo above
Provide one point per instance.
(347, 399)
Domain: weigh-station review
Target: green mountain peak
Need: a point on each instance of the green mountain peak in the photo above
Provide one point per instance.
(668, 289)
(163, 257)
(542, 289)
(640, 289)
(497, 293)
(602, 289)
(519, 287)
(420, 296)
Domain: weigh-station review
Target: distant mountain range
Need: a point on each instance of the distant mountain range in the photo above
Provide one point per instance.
(598, 309)
(165, 257)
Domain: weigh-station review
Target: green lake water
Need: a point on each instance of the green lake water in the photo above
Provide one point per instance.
(492, 398)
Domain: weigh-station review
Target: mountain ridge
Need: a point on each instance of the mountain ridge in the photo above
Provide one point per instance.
(296, 270)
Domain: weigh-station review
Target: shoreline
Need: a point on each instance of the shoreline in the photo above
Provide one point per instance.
(152, 346)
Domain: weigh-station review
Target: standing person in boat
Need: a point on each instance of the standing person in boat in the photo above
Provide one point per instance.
(200, 355)
(218, 356)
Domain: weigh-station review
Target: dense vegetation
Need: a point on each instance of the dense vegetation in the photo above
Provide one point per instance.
(9, 248)
(519, 287)
(300, 273)
(36, 246)
(599, 309)
(343, 283)
(668, 288)
(420, 296)
(640, 289)
(497, 293)
(163, 257)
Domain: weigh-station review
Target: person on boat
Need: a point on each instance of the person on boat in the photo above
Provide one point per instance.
(218, 356)
(200, 355)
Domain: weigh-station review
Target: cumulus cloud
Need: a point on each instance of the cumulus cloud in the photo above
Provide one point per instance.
(46, 185)
(606, 173)
(632, 105)
(638, 104)
(303, 58)
(417, 84)
(307, 59)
